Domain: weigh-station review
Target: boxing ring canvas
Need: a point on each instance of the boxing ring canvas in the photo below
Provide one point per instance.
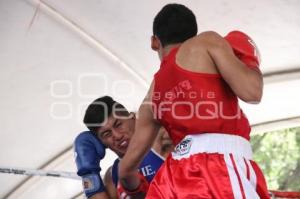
(56, 56)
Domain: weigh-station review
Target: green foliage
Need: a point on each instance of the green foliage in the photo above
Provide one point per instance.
(278, 154)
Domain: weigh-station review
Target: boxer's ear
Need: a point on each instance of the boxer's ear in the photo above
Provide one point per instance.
(155, 43)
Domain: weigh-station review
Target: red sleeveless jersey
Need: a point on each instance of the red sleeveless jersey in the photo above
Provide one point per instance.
(188, 102)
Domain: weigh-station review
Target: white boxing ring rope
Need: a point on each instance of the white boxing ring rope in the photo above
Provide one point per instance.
(39, 172)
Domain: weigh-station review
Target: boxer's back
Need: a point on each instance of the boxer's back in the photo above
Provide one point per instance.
(195, 99)
(193, 54)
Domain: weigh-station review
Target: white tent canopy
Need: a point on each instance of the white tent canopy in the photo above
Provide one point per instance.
(58, 55)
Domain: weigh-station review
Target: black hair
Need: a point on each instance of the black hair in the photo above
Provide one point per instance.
(99, 110)
(174, 23)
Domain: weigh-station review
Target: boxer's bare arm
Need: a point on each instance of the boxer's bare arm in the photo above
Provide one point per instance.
(109, 184)
(101, 195)
(246, 83)
(146, 130)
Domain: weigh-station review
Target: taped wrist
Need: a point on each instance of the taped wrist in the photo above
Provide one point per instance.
(92, 184)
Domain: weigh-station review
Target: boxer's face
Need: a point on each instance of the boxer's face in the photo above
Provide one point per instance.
(165, 140)
(116, 133)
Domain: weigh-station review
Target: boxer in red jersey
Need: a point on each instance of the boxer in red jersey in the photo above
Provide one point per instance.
(194, 95)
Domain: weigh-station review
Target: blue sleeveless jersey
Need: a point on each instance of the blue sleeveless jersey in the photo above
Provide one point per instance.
(148, 167)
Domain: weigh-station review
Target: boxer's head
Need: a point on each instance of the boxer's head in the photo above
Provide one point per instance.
(163, 143)
(111, 122)
(166, 141)
(173, 24)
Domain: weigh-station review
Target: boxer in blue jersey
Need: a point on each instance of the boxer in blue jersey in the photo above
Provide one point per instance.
(148, 168)
(111, 126)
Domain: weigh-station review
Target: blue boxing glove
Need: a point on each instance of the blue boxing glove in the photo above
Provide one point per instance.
(88, 152)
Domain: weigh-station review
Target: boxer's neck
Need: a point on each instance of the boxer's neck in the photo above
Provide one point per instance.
(166, 50)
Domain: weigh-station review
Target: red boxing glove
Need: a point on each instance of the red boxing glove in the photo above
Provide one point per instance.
(139, 192)
(244, 48)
